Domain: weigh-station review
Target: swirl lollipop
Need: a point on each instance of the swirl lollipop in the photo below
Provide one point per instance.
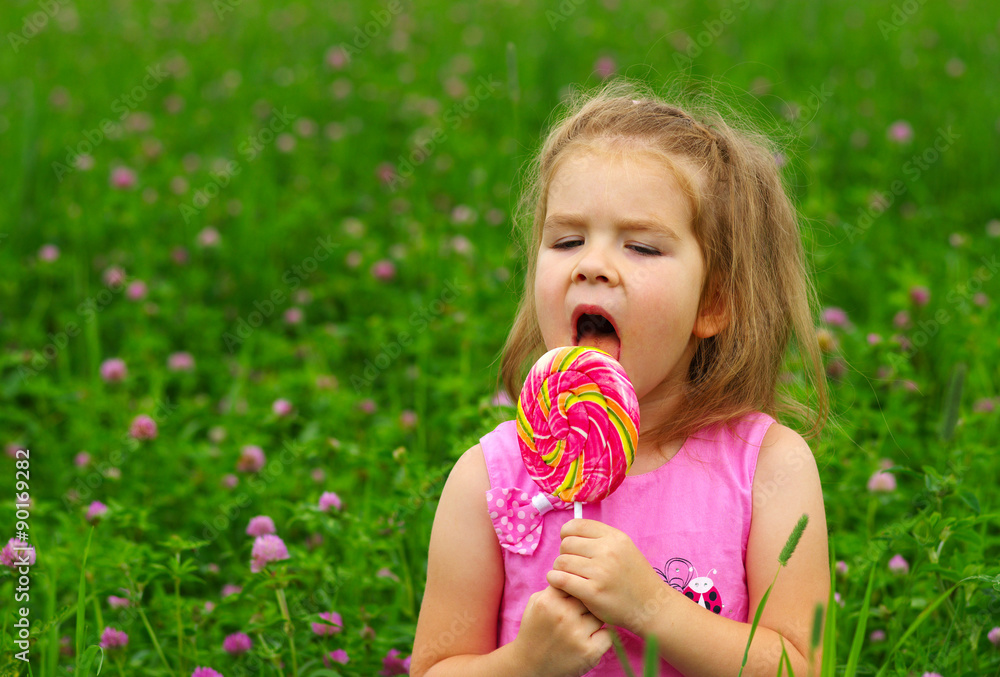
(577, 424)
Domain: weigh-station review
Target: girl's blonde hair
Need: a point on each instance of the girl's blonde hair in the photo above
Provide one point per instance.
(748, 231)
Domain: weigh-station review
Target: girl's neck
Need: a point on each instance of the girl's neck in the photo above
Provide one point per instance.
(655, 409)
(649, 457)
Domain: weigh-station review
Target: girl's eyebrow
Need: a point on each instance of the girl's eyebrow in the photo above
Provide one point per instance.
(634, 225)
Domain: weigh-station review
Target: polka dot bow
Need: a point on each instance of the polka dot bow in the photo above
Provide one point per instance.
(517, 517)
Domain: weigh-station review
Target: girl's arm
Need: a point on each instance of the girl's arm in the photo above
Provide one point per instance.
(603, 568)
(457, 628)
(700, 643)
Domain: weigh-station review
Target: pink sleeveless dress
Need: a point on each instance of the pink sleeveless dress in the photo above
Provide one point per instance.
(690, 518)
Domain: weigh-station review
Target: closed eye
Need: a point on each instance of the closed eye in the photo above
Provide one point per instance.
(645, 251)
(638, 248)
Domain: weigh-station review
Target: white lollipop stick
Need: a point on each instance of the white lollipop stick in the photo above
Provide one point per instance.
(577, 509)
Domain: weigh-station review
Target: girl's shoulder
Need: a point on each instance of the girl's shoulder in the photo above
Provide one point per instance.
(463, 503)
(783, 449)
(469, 471)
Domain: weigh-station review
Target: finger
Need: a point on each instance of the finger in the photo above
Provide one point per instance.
(602, 639)
(583, 527)
(566, 598)
(578, 545)
(574, 564)
(577, 606)
(558, 592)
(575, 586)
(591, 623)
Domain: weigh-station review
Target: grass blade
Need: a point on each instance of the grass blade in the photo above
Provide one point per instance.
(652, 658)
(788, 661)
(81, 603)
(916, 624)
(785, 660)
(859, 632)
(952, 400)
(620, 652)
(817, 629)
(50, 655)
(829, 664)
(783, 557)
(87, 661)
(283, 606)
(817, 637)
(756, 621)
(152, 635)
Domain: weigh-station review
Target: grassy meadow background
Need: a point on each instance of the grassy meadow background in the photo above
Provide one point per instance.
(257, 253)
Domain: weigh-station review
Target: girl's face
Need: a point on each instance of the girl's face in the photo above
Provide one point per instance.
(617, 242)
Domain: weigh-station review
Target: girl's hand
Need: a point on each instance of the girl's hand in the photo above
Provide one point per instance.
(601, 566)
(559, 636)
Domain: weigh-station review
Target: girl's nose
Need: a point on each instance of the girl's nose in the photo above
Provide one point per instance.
(594, 266)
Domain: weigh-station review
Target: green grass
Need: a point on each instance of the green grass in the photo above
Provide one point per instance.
(826, 79)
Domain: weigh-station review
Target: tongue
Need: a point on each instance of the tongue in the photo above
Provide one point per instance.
(609, 343)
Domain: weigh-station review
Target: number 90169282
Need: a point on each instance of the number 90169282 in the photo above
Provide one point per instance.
(21, 477)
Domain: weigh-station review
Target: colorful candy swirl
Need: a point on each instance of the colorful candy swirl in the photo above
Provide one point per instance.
(578, 423)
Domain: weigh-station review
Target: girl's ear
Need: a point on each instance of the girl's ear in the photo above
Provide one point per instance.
(713, 316)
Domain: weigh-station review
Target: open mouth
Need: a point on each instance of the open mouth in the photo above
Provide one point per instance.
(597, 331)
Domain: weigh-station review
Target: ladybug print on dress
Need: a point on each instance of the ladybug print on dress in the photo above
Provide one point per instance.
(704, 593)
(680, 574)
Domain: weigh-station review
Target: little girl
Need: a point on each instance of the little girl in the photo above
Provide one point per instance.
(667, 240)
